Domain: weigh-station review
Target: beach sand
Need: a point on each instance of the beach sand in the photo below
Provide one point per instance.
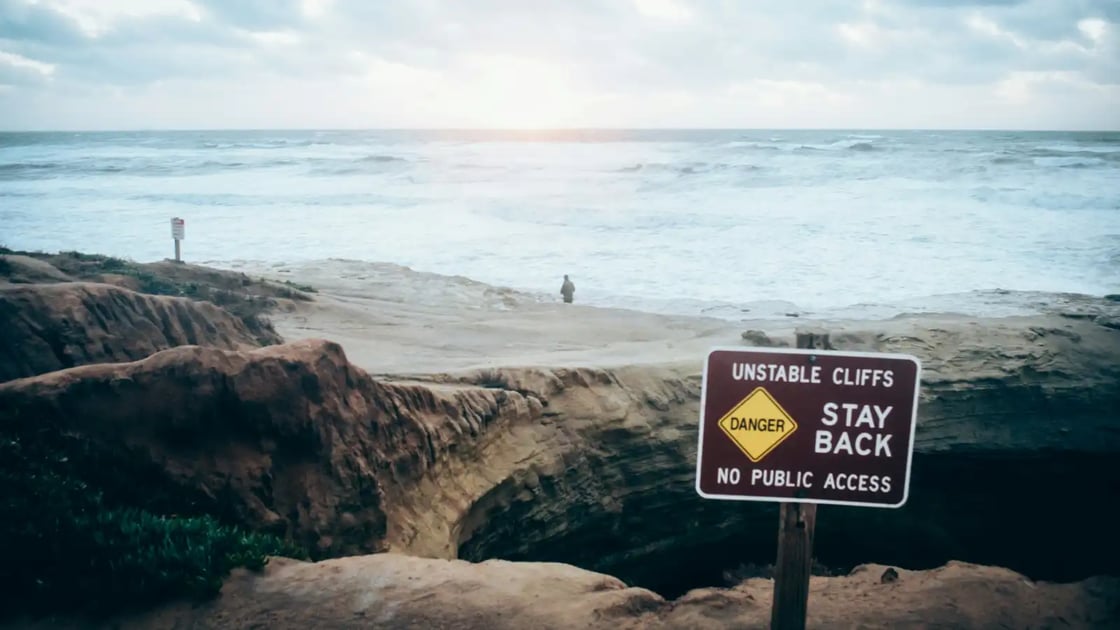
(392, 320)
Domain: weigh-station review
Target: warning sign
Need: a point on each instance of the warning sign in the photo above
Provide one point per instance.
(803, 425)
(757, 424)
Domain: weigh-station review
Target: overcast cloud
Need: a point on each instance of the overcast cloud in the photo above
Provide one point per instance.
(96, 64)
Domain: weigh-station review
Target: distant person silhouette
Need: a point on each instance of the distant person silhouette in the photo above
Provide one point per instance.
(567, 289)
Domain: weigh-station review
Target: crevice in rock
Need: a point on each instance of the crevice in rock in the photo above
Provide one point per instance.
(1039, 514)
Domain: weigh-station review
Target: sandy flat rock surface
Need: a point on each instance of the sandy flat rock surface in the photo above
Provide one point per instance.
(396, 591)
(391, 319)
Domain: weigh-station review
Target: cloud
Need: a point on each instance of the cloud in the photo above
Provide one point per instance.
(943, 4)
(669, 10)
(21, 21)
(19, 70)
(257, 14)
(581, 62)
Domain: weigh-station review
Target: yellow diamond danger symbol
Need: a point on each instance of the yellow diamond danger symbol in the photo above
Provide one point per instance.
(758, 424)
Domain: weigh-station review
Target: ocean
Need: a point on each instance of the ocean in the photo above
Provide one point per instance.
(727, 223)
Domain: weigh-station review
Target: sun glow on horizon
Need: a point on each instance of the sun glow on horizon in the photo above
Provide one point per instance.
(507, 92)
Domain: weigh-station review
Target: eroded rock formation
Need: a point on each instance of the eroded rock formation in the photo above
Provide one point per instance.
(396, 591)
(595, 467)
(287, 438)
(48, 327)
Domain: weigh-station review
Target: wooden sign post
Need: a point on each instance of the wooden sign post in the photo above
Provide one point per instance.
(795, 561)
(178, 232)
(806, 426)
(794, 566)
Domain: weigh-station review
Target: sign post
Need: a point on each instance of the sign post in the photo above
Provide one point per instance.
(178, 232)
(802, 427)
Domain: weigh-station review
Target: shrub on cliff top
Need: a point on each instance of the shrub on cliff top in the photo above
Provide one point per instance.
(66, 548)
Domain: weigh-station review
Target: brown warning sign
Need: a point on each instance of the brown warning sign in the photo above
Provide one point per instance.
(819, 426)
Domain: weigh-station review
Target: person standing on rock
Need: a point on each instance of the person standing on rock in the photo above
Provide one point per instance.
(567, 289)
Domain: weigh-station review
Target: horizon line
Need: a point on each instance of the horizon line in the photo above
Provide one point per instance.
(549, 129)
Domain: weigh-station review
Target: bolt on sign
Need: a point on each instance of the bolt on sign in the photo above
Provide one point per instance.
(803, 425)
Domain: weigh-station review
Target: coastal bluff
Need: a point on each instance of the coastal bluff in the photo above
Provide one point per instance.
(595, 466)
(576, 483)
(49, 327)
(68, 309)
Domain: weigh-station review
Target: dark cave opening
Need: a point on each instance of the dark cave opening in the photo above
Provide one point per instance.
(1031, 513)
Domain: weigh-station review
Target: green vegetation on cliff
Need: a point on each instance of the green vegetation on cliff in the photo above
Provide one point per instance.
(81, 537)
(90, 528)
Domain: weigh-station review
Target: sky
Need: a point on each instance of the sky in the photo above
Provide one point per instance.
(870, 64)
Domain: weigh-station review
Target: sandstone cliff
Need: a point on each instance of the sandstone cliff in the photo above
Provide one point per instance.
(287, 438)
(48, 327)
(595, 467)
(1016, 431)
